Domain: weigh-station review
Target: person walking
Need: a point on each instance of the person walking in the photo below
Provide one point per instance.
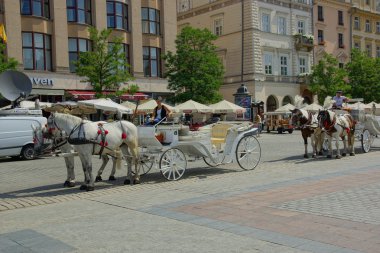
(258, 122)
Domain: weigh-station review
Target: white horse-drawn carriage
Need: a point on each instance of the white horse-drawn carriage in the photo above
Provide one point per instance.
(170, 146)
(367, 125)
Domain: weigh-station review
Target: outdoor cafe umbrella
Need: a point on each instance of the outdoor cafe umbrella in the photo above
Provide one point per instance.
(30, 105)
(191, 106)
(149, 106)
(129, 105)
(106, 104)
(285, 108)
(225, 106)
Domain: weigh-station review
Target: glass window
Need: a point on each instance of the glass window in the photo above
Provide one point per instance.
(369, 50)
(40, 8)
(302, 65)
(77, 45)
(125, 51)
(301, 27)
(268, 63)
(117, 15)
(320, 13)
(356, 23)
(150, 21)
(281, 24)
(357, 45)
(36, 50)
(340, 18)
(378, 51)
(340, 40)
(284, 65)
(218, 26)
(378, 5)
(265, 22)
(378, 27)
(151, 62)
(320, 37)
(367, 26)
(79, 11)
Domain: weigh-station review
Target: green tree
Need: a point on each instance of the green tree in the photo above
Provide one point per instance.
(105, 67)
(327, 77)
(194, 71)
(6, 63)
(364, 76)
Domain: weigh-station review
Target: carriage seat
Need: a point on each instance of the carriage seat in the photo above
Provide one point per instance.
(219, 133)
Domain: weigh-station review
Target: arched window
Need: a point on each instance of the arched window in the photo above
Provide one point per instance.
(271, 104)
(287, 100)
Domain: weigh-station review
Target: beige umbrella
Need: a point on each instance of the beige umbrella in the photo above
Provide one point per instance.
(129, 105)
(106, 104)
(357, 105)
(225, 106)
(313, 107)
(191, 106)
(285, 108)
(149, 106)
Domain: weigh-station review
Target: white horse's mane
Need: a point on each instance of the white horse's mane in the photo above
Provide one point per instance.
(298, 102)
(328, 102)
(68, 117)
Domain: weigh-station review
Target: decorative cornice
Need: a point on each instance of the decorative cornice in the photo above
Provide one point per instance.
(206, 8)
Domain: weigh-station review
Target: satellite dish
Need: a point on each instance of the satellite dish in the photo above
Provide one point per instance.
(15, 85)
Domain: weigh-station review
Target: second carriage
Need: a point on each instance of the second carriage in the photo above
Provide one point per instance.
(169, 147)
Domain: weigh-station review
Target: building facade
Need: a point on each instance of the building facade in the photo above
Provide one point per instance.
(332, 29)
(47, 36)
(265, 45)
(365, 19)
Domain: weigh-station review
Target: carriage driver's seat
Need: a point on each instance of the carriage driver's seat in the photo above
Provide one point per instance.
(219, 134)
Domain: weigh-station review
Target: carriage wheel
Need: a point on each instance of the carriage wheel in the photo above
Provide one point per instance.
(144, 166)
(248, 152)
(219, 160)
(366, 141)
(173, 164)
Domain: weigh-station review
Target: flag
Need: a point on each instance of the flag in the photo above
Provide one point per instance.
(2, 33)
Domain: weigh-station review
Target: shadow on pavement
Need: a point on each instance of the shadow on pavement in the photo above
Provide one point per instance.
(151, 178)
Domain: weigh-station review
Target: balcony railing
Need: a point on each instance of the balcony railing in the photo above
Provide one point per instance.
(303, 42)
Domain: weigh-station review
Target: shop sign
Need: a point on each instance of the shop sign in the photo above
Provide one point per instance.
(42, 81)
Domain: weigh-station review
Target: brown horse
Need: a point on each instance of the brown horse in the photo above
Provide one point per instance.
(308, 123)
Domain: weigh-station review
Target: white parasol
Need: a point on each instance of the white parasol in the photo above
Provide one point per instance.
(285, 108)
(30, 105)
(149, 106)
(106, 104)
(225, 106)
(71, 107)
(191, 106)
(129, 105)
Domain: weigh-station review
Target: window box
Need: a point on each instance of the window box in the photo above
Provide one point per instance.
(302, 41)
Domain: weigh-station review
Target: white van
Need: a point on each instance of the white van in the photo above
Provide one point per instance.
(16, 135)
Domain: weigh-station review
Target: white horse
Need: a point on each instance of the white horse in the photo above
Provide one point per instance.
(338, 126)
(59, 140)
(91, 138)
(309, 129)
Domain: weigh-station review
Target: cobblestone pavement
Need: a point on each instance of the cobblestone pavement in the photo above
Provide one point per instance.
(288, 204)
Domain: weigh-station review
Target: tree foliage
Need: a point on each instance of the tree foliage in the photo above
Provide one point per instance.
(364, 76)
(326, 78)
(194, 71)
(105, 67)
(6, 63)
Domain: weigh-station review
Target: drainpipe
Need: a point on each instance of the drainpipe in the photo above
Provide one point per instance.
(312, 29)
(242, 42)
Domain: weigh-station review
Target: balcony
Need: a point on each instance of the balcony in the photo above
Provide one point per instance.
(303, 42)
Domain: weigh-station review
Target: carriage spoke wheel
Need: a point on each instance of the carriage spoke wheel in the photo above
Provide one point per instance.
(366, 141)
(248, 152)
(173, 164)
(219, 158)
(144, 166)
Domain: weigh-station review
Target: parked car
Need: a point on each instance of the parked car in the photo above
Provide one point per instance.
(278, 121)
(16, 135)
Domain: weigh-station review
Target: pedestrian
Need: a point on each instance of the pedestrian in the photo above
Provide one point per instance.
(258, 122)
